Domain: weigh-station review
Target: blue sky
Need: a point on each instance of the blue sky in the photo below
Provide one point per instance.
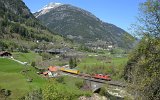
(121, 13)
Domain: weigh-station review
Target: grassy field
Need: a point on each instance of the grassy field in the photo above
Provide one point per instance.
(26, 57)
(103, 65)
(12, 78)
(70, 82)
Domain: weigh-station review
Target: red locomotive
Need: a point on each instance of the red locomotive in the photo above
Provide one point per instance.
(101, 76)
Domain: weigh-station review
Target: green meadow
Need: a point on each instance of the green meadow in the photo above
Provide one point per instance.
(26, 57)
(14, 79)
(103, 65)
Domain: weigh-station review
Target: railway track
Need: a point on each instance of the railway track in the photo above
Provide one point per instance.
(112, 83)
(114, 88)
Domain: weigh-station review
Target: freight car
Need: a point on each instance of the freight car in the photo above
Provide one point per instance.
(72, 71)
(101, 76)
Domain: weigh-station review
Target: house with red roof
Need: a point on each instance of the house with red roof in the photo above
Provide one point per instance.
(52, 69)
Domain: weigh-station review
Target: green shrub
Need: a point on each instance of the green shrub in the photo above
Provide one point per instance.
(57, 91)
(60, 79)
(45, 56)
(103, 91)
(72, 62)
(34, 95)
(79, 84)
(33, 64)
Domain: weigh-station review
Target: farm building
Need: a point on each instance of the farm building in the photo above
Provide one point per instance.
(52, 72)
(5, 54)
(52, 69)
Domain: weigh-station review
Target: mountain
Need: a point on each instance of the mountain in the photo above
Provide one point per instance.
(20, 29)
(82, 26)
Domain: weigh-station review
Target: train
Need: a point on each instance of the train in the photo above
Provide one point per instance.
(72, 71)
(77, 72)
(101, 76)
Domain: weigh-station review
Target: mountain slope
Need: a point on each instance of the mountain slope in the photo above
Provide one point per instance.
(81, 25)
(19, 28)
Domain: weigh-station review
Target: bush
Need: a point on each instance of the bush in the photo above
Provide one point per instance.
(79, 84)
(60, 79)
(103, 91)
(45, 56)
(34, 95)
(72, 63)
(7, 92)
(23, 49)
(33, 64)
(57, 91)
(4, 93)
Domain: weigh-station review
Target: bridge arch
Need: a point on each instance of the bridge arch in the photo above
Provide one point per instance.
(97, 90)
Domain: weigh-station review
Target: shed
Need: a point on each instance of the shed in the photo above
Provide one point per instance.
(5, 53)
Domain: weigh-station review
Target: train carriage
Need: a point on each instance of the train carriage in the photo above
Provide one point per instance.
(72, 71)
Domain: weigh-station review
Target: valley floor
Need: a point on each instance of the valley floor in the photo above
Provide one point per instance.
(20, 78)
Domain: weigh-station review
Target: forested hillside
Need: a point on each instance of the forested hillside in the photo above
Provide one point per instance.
(20, 29)
(143, 68)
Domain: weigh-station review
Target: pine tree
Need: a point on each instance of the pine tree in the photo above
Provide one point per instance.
(71, 63)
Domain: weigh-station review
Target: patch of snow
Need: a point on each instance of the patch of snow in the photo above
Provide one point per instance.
(47, 8)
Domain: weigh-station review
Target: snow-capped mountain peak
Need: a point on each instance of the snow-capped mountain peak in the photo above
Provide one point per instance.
(47, 8)
(51, 5)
